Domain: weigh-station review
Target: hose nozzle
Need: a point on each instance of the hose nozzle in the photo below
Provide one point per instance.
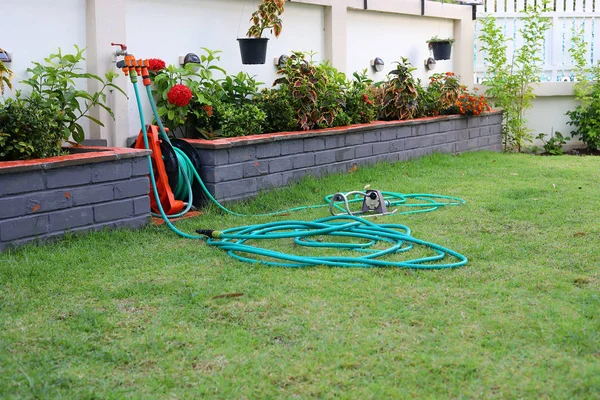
(209, 233)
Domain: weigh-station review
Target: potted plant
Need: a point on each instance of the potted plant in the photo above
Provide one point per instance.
(254, 48)
(441, 48)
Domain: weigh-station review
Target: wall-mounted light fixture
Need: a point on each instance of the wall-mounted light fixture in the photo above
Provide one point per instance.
(430, 64)
(377, 64)
(5, 56)
(190, 58)
(280, 61)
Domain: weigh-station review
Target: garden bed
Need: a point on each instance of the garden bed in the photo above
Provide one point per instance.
(241, 167)
(92, 188)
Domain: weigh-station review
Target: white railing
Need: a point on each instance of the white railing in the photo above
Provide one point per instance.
(567, 14)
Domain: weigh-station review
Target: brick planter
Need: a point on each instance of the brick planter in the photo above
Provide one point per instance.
(91, 189)
(238, 168)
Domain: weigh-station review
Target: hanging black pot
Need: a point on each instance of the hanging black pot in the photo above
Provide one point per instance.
(441, 50)
(253, 50)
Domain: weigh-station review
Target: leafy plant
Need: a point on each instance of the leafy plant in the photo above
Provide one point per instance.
(472, 104)
(553, 146)
(30, 128)
(400, 93)
(239, 89)
(53, 83)
(510, 83)
(5, 77)
(267, 17)
(359, 99)
(239, 120)
(436, 39)
(316, 90)
(442, 94)
(280, 115)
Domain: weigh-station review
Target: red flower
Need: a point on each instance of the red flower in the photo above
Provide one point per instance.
(155, 64)
(179, 95)
(208, 109)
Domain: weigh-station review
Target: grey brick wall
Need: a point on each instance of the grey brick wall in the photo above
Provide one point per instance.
(44, 202)
(239, 170)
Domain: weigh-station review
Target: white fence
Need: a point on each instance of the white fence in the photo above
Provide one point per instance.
(566, 15)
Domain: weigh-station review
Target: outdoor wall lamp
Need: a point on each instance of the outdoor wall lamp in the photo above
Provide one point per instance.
(377, 64)
(430, 64)
(4, 56)
(280, 61)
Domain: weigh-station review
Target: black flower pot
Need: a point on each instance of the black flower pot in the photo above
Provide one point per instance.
(441, 50)
(253, 50)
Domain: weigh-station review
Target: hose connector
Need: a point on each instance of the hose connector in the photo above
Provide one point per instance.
(209, 233)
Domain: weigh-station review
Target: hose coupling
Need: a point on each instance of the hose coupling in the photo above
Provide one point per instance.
(209, 233)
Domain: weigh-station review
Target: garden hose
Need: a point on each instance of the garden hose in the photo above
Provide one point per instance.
(304, 233)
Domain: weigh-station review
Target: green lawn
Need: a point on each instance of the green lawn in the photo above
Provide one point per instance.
(135, 314)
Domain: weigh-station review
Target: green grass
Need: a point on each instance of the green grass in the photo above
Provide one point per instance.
(134, 314)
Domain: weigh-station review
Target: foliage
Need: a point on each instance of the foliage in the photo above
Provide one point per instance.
(472, 104)
(280, 115)
(53, 83)
(205, 88)
(316, 91)
(436, 39)
(553, 146)
(442, 94)
(239, 89)
(267, 17)
(5, 77)
(400, 93)
(239, 120)
(359, 99)
(510, 83)
(30, 129)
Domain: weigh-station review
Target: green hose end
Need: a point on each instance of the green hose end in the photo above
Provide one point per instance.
(210, 233)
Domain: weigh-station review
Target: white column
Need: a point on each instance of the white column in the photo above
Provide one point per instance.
(335, 35)
(106, 24)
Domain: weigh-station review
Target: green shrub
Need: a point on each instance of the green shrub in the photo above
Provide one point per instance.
(239, 120)
(276, 104)
(400, 94)
(553, 146)
(359, 99)
(30, 129)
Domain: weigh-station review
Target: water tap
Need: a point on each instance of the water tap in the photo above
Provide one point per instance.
(122, 51)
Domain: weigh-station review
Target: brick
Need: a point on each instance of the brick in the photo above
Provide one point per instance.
(280, 164)
(451, 136)
(443, 148)
(473, 133)
(113, 211)
(255, 168)
(338, 168)
(268, 150)
(71, 218)
(496, 129)
(13, 206)
(241, 154)
(325, 157)
(21, 182)
(125, 223)
(242, 187)
(40, 202)
(141, 205)
(390, 157)
(353, 139)
(363, 151)
(92, 194)
(485, 131)
(495, 119)
(473, 122)
(462, 135)
(404, 155)
(111, 171)
(344, 154)
(292, 146)
(222, 173)
(380, 148)
(131, 188)
(396, 145)
(412, 143)
(71, 176)
(418, 130)
(472, 143)
(387, 134)
(460, 124)
(213, 157)
(461, 146)
(140, 166)
(21, 227)
(403, 132)
(484, 120)
(269, 181)
(439, 138)
(371, 136)
(314, 144)
(483, 141)
(303, 160)
(446, 126)
(332, 142)
(433, 127)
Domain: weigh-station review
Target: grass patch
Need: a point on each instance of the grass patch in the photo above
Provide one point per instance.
(149, 315)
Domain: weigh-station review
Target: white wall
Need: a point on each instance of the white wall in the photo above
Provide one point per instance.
(216, 25)
(391, 36)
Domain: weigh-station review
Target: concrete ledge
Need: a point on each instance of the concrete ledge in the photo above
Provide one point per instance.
(91, 189)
